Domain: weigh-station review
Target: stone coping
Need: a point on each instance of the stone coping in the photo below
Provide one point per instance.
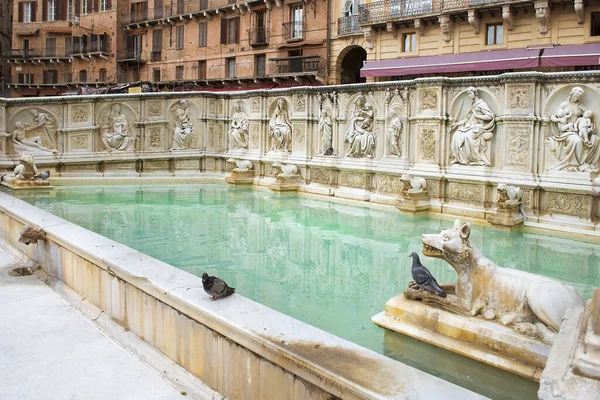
(512, 77)
(293, 345)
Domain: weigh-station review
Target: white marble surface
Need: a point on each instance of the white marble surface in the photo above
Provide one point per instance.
(49, 351)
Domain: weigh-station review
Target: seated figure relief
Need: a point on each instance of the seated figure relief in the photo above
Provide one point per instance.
(184, 134)
(281, 127)
(574, 140)
(359, 135)
(472, 133)
(238, 128)
(114, 133)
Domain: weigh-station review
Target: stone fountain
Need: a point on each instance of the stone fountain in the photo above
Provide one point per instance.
(26, 176)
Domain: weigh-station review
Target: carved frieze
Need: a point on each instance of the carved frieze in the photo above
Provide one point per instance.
(321, 175)
(154, 109)
(429, 100)
(80, 142)
(255, 104)
(155, 138)
(124, 165)
(157, 164)
(466, 192)
(187, 164)
(210, 163)
(519, 97)
(353, 179)
(299, 136)
(433, 188)
(300, 103)
(80, 114)
(566, 203)
(517, 147)
(388, 183)
(254, 135)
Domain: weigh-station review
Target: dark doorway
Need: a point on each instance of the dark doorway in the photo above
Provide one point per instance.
(351, 64)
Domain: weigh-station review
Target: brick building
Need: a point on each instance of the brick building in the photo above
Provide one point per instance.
(223, 43)
(5, 40)
(403, 39)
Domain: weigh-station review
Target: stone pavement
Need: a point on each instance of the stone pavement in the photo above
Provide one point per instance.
(50, 351)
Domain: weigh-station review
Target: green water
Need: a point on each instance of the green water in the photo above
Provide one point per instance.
(328, 264)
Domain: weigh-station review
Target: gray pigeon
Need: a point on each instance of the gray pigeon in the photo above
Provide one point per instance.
(42, 176)
(216, 287)
(423, 277)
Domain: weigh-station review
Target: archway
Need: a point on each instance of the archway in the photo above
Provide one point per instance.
(352, 62)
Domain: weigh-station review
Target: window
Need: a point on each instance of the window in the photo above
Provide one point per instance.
(156, 75)
(25, 78)
(103, 7)
(179, 72)
(68, 77)
(230, 30)
(83, 75)
(202, 34)
(68, 47)
(50, 76)
(139, 11)
(595, 24)
(180, 6)
(27, 12)
(296, 20)
(230, 67)
(135, 74)
(494, 34)
(69, 9)
(102, 75)
(260, 62)
(202, 70)
(26, 47)
(134, 46)
(409, 42)
(158, 9)
(50, 47)
(157, 42)
(51, 10)
(84, 7)
(179, 37)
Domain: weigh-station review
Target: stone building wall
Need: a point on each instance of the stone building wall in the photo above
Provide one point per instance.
(431, 128)
(5, 40)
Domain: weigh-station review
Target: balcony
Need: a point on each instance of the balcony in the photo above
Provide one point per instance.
(156, 55)
(258, 36)
(130, 56)
(386, 10)
(49, 54)
(348, 24)
(301, 65)
(293, 31)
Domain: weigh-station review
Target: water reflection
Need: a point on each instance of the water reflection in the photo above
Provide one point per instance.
(331, 265)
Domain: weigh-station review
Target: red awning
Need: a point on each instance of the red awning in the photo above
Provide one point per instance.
(466, 62)
(571, 56)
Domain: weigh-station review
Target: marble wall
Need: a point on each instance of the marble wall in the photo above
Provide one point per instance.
(464, 135)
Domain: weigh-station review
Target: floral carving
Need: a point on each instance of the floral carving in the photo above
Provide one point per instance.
(520, 97)
(388, 183)
(517, 147)
(254, 135)
(299, 136)
(211, 106)
(353, 179)
(427, 144)
(320, 175)
(154, 108)
(255, 105)
(433, 188)
(79, 142)
(300, 103)
(80, 113)
(573, 204)
(187, 164)
(159, 164)
(122, 166)
(429, 100)
(210, 164)
(155, 138)
(466, 192)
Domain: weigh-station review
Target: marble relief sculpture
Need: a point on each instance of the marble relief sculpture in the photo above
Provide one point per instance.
(184, 134)
(532, 305)
(415, 184)
(25, 175)
(238, 128)
(115, 132)
(241, 165)
(48, 126)
(394, 131)
(574, 140)
(281, 127)
(472, 133)
(286, 169)
(23, 144)
(326, 132)
(359, 135)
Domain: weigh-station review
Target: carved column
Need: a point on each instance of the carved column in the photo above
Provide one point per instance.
(507, 16)
(369, 37)
(542, 13)
(474, 20)
(445, 23)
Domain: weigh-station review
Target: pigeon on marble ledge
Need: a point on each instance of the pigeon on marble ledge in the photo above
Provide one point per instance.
(42, 176)
(216, 287)
(423, 277)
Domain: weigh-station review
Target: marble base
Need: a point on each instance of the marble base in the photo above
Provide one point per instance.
(240, 178)
(508, 217)
(26, 184)
(481, 340)
(285, 183)
(414, 202)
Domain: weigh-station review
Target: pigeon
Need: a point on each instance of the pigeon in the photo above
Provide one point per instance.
(216, 287)
(43, 175)
(423, 277)
(329, 151)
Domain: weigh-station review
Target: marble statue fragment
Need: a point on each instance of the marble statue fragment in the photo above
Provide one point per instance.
(326, 131)
(286, 169)
(573, 139)
(413, 184)
(394, 131)
(472, 133)
(532, 305)
(241, 165)
(360, 136)
(32, 234)
(281, 127)
(114, 133)
(238, 128)
(184, 134)
(26, 169)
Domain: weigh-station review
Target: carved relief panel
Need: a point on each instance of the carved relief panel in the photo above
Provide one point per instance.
(154, 138)
(79, 115)
(519, 98)
(427, 143)
(428, 100)
(517, 146)
(79, 142)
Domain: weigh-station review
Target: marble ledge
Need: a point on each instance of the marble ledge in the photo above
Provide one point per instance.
(272, 335)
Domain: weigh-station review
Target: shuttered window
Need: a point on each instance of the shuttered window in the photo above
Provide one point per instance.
(179, 72)
(230, 30)
(201, 69)
(179, 37)
(230, 67)
(27, 11)
(202, 33)
(50, 47)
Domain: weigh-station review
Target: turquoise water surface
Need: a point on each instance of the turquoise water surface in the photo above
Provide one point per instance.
(328, 264)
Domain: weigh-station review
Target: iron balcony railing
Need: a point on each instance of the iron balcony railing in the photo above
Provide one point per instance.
(258, 36)
(25, 53)
(130, 55)
(299, 65)
(348, 24)
(293, 30)
(146, 12)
